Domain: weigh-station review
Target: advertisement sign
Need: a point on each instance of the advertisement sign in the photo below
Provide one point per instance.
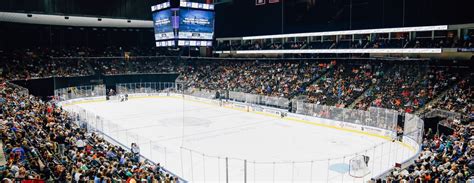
(196, 24)
(162, 22)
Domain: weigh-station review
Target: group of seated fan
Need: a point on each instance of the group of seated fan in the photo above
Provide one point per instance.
(271, 78)
(444, 158)
(342, 84)
(42, 143)
(408, 88)
(45, 62)
(403, 86)
(37, 63)
(458, 99)
(135, 66)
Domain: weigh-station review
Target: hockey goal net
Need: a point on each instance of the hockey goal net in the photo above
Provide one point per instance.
(358, 166)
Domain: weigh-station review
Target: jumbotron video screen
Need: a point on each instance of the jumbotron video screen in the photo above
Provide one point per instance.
(190, 24)
(162, 24)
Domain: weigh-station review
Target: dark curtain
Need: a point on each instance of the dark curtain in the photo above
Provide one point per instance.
(243, 17)
(14, 36)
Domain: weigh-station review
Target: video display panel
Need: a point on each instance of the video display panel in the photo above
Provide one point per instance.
(167, 43)
(196, 24)
(162, 22)
(194, 43)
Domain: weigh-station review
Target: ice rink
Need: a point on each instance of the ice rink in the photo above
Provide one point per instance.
(193, 140)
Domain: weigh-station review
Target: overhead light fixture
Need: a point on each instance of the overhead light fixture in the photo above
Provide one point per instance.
(342, 51)
(351, 32)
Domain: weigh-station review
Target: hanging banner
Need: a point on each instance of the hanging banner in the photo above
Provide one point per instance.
(259, 2)
(273, 1)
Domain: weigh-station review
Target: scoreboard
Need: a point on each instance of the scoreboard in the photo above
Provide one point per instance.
(189, 24)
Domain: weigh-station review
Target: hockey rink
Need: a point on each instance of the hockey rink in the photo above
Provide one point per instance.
(203, 142)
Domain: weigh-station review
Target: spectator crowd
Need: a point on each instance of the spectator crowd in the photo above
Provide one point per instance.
(272, 78)
(46, 62)
(402, 86)
(42, 143)
(444, 158)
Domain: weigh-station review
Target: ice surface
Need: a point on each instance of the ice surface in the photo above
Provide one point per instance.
(193, 140)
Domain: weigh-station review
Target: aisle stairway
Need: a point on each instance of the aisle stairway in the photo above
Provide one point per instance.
(370, 88)
(361, 97)
(439, 96)
(430, 103)
(3, 160)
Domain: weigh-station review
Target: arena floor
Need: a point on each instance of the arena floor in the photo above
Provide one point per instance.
(274, 149)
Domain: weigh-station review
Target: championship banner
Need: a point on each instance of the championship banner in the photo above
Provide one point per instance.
(259, 2)
(273, 1)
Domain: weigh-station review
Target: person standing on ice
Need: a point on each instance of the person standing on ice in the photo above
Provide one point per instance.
(136, 152)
